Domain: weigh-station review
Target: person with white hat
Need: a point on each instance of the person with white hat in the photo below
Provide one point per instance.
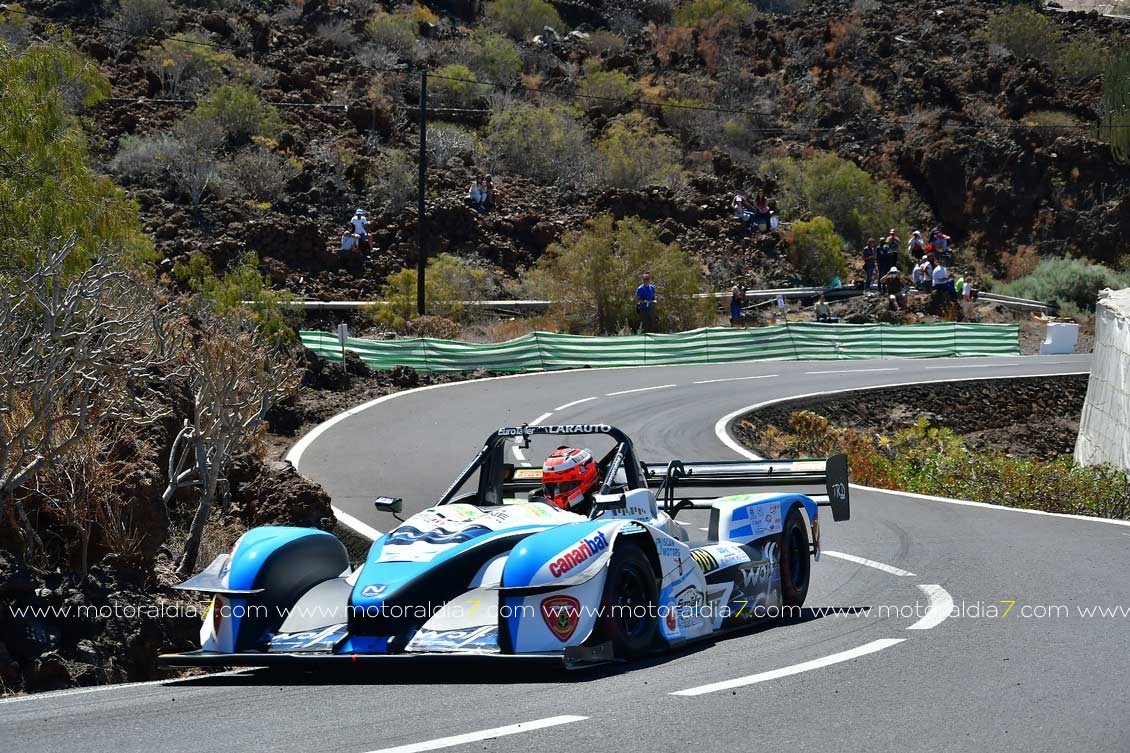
(360, 224)
(894, 284)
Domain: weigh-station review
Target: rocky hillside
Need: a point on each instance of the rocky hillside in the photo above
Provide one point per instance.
(966, 132)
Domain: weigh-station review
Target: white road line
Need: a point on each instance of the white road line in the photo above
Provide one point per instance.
(850, 371)
(486, 734)
(638, 389)
(868, 563)
(736, 379)
(517, 452)
(941, 605)
(541, 418)
(124, 686)
(358, 526)
(824, 661)
(963, 366)
(575, 402)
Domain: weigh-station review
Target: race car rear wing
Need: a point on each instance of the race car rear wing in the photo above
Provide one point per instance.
(831, 472)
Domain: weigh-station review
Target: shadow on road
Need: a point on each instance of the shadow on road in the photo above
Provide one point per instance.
(488, 670)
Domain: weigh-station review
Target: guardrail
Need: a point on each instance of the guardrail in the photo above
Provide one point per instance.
(545, 351)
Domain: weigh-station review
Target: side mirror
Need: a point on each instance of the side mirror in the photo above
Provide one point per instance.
(389, 504)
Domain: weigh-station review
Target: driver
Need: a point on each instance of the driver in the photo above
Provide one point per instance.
(569, 479)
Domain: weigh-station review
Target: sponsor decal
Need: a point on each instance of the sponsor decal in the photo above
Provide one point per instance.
(311, 640)
(705, 560)
(562, 614)
(579, 554)
(375, 589)
(517, 431)
(671, 621)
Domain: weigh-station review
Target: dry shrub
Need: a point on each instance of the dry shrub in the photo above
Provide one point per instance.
(673, 43)
(433, 326)
(1020, 262)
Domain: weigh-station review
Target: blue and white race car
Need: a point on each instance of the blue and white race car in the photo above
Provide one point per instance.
(491, 569)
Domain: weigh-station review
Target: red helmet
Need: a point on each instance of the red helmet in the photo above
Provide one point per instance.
(567, 475)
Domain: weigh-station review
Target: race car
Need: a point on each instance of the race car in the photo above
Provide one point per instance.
(493, 569)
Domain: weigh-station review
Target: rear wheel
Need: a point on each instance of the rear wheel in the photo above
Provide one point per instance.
(628, 614)
(795, 562)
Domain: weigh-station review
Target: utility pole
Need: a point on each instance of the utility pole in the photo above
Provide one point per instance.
(421, 261)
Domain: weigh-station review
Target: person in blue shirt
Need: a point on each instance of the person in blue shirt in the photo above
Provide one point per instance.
(645, 303)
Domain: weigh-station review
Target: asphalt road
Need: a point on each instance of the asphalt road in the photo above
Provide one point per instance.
(907, 679)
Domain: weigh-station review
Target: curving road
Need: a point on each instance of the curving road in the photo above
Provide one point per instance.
(917, 675)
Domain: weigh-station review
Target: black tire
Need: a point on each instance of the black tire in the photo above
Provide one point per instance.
(796, 564)
(628, 606)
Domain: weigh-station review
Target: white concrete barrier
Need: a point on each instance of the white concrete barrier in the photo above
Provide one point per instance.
(1104, 430)
(1061, 339)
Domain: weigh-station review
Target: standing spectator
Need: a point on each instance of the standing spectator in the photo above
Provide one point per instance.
(349, 240)
(922, 275)
(360, 224)
(737, 300)
(492, 196)
(823, 312)
(939, 240)
(477, 195)
(887, 256)
(645, 303)
(870, 256)
(893, 283)
(892, 240)
(916, 246)
(968, 293)
(741, 211)
(761, 211)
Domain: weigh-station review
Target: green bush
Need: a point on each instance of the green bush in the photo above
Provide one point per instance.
(243, 290)
(1082, 58)
(448, 281)
(1072, 283)
(397, 176)
(545, 144)
(140, 17)
(240, 112)
(521, 19)
(633, 154)
(494, 58)
(698, 12)
(47, 187)
(397, 32)
(446, 140)
(592, 275)
(188, 63)
(816, 251)
(609, 88)
(456, 86)
(858, 205)
(1023, 31)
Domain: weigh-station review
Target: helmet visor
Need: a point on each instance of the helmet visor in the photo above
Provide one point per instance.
(561, 488)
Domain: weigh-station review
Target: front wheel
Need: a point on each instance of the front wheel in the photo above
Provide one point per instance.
(795, 562)
(628, 615)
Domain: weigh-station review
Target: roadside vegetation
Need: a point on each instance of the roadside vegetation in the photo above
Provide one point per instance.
(933, 460)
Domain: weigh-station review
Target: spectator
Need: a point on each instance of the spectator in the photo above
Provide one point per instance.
(823, 312)
(968, 293)
(894, 284)
(761, 211)
(737, 300)
(870, 256)
(645, 303)
(921, 276)
(916, 246)
(492, 196)
(943, 281)
(939, 240)
(741, 211)
(892, 240)
(360, 224)
(349, 240)
(887, 256)
(477, 195)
